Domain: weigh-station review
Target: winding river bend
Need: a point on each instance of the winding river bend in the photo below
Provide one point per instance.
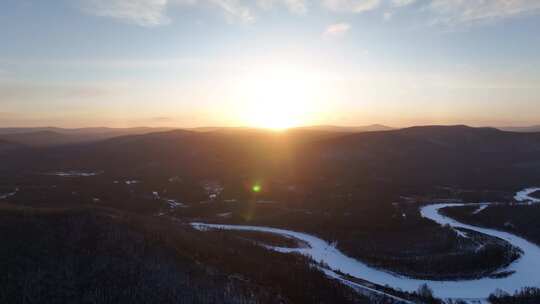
(526, 269)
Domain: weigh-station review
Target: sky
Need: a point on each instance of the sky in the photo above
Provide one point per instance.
(269, 63)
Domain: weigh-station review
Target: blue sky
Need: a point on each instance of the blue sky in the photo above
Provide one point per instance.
(269, 63)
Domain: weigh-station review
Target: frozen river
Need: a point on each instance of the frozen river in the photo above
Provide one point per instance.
(525, 269)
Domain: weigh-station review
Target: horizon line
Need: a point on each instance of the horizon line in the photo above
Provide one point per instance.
(262, 128)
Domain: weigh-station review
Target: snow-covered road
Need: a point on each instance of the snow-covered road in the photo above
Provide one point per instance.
(525, 269)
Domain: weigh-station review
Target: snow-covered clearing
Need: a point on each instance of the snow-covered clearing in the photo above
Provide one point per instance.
(480, 209)
(524, 196)
(74, 173)
(8, 195)
(173, 204)
(461, 233)
(525, 269)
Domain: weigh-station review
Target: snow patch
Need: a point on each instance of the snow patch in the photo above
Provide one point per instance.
(524, 196)
(8, 195)
(173, 204)
(461, 233)
(74, 173)
(480, 209)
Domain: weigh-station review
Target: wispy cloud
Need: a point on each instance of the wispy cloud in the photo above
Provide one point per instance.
(162, 119)
(400, 3)
(393, 6)
(234, 10)
(336, 30)
(297, 6)
(354, 6)
(150, 13)
(141, 12)
(294, 6)
(455, 12)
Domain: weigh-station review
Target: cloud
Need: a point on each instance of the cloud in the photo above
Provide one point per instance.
(234, 10)
(338, 29)
(162, 119)
(294, 6)
(478, 11)
(394, 5)
(146, 13)
(353, 6)
(150, 13)
(400, 3)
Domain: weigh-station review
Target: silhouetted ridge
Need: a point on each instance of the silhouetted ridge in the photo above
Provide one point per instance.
(418, 155)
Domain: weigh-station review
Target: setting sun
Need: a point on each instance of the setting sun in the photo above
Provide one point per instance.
(278, 97)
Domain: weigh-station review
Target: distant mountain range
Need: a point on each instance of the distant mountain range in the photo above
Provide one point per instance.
(51, 136)
(368, 128)
(521, 129)
(84, 131)
(427, 155)
(327, 128)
